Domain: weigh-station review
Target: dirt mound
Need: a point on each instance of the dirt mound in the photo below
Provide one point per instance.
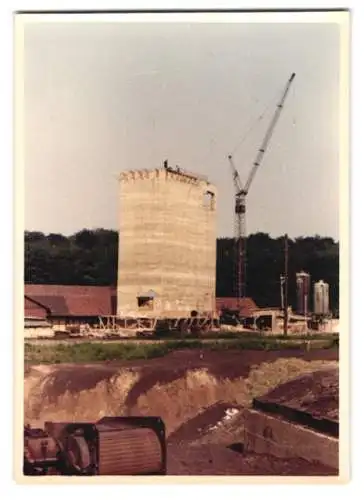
(204, 422)
(221, 365)
(177, 388)
(316, 393)
(86, 394)
(198, 394)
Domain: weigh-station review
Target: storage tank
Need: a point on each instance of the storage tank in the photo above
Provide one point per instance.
(321, 298)
(167, 244)
(303, 283)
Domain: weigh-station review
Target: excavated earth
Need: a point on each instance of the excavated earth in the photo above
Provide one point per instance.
(316, 394)
(198, 393)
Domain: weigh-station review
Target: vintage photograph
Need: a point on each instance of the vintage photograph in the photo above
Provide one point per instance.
(184, 188)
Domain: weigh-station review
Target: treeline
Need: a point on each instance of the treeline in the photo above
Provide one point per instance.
(90, 258)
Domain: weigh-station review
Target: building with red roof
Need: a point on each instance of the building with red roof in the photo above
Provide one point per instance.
(246, 305)
(73, 304)
(69, 304)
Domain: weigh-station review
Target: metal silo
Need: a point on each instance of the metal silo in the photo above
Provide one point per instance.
(321, 298)
(303, 282)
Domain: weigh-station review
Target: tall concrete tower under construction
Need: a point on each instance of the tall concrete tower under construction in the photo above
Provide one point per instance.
(167, 244)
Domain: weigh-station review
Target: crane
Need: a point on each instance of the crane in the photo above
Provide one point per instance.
(241, 192)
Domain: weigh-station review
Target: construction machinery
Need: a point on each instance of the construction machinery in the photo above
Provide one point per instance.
(113, 446)
(241, 192)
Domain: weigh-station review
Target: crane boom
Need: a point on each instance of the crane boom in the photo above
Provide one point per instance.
(236, 177)
(268, 136)
(240, 200)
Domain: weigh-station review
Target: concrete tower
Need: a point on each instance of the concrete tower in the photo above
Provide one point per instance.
(167, 244)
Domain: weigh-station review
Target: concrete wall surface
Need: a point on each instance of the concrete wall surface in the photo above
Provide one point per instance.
(269, 434)
(167, 244)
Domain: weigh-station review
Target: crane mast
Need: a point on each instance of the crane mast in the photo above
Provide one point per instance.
(240, 199)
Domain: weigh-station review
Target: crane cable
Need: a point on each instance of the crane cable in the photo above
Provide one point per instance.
(254, 122)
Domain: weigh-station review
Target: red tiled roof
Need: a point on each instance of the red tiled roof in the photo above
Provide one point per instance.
(34, 309)
(72, 300)
(247, 305)
(53, 303)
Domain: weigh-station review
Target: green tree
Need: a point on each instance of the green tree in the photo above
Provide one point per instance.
(89, 257)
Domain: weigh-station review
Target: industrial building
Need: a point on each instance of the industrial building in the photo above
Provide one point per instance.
(67, 305)
(50, 308)
(167, 244)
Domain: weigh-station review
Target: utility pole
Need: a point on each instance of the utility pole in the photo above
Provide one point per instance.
(282, 293)
(285, 284)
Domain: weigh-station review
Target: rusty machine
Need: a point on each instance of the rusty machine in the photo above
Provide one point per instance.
(112, 446)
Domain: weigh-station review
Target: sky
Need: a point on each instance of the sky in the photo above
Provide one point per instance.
(100, 98)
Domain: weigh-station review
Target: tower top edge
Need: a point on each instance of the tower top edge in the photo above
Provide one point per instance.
(168, 172)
